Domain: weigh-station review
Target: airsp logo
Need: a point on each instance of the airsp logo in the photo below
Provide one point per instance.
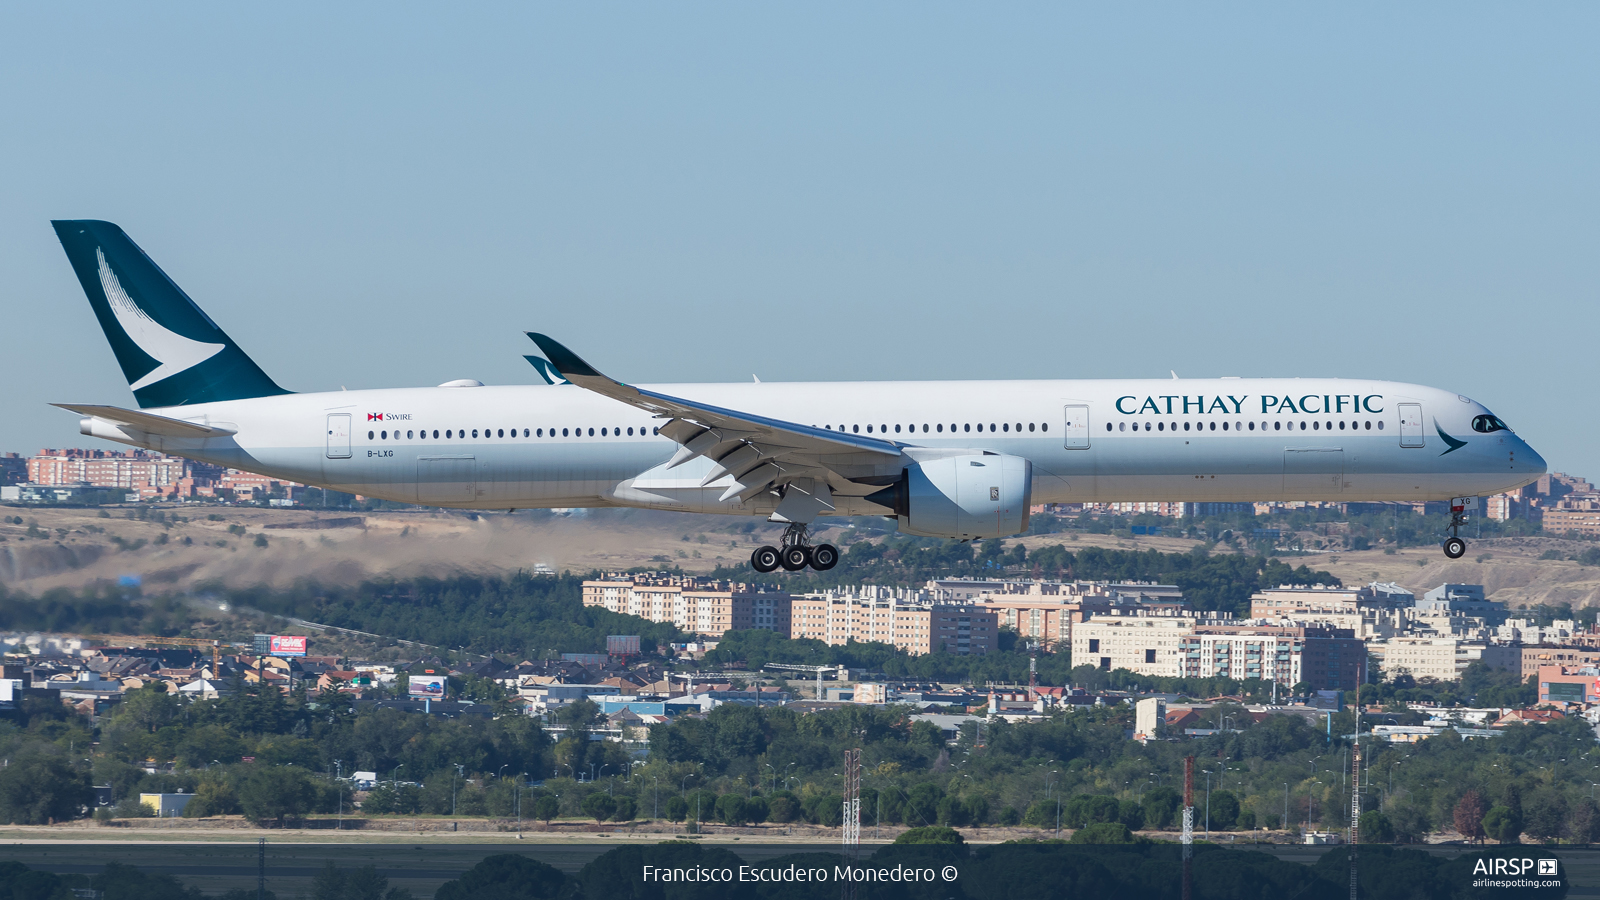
(1512, 866)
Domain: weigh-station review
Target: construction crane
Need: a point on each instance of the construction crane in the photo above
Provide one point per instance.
(197, 643)
(839, 672)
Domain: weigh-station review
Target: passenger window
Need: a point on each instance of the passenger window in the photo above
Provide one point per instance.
(408, 434)
(436, 434)
(1186, 426)
(967, 427)
(1380, 424)
(1224, 426)
(563, 432)
(1108, 426)
(1302, 426)
(1161, 426)
(630, 432)
(591, 432)
(1314, 425)
(602, 432)
(991, 426)
(939, 427)
(924, 427)
(1213, 426)
(869, 429)
(1044, 426)
(1006, 428)
(1030, 427)
(538, 432)
(883, 428)
(897, 429)
(1252, 426)
(369, 435)
(855, 429)
(384, 435)
(1121, 426)
(1369, 425)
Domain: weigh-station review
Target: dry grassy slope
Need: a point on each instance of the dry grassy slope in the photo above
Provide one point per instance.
(428, 542)
(387, 543)
(1512, 573)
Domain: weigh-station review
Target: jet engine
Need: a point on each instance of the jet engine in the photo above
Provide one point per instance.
(973, 496)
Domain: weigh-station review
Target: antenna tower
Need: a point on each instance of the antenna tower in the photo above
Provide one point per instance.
(1355, 794)
(1188, 823)
(852, 803)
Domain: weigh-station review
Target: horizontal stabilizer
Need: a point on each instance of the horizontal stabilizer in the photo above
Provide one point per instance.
(147, 422)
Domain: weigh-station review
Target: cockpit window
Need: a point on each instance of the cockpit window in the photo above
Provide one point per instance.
(1488, 424)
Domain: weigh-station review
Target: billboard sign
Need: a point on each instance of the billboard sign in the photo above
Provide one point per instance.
(426, 687)
(286, 645)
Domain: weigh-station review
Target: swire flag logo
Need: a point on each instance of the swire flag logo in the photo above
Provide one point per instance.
(374, 417)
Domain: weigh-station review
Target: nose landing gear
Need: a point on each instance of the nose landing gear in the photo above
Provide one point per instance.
(797, 553)
(1454, 546)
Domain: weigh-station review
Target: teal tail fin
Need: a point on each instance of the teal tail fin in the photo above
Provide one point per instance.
(170, 351)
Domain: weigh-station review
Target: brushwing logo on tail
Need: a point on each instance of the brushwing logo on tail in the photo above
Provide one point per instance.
(173, 351)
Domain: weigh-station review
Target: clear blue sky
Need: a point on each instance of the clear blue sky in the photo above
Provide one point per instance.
(388, 194)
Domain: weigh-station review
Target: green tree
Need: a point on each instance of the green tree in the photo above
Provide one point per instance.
(1224, 809)
(676, 809)
(39, 786)
(599, 805)
(547, 807)
(1376, 828)
(627, 808)
(1105, 833)
(274, 794)
(1503, 824)
(506, 876)
(930, 834)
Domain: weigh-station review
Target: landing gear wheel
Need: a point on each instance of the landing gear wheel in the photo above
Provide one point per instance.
(764, 560)
(795, 558)
(824, 557)
(1455, 547)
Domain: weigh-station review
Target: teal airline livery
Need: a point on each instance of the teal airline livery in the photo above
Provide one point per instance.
(954, 459)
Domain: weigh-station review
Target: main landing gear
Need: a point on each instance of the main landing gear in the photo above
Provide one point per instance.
(1454, 546)
(795, 554)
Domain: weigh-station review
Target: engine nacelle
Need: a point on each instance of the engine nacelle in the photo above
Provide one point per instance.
(973, 496)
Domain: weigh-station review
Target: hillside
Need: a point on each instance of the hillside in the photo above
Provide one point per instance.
(77, 547)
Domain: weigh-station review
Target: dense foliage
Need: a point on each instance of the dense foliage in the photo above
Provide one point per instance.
(521, 616)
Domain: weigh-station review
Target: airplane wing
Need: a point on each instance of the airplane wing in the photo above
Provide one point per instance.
(759, 452)
(149, 423)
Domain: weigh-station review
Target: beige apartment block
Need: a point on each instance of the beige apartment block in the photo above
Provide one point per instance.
(906, 619)
(696, 605)
(1442, 658)
(1146, 645)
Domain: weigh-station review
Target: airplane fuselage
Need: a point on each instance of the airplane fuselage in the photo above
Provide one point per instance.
(512, 447)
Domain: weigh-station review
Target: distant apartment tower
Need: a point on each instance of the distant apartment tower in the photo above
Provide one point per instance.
(696, 605)
(1328, 659)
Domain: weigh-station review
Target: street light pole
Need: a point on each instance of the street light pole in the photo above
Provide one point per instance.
(1208, 804)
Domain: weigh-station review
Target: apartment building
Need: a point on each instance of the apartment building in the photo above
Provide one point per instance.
(1044, 611)
(1144, 644)
(1535, 658)
(696, 605)
(1569, 684)
(1327, 658)
(913, 621)
(1441, 658)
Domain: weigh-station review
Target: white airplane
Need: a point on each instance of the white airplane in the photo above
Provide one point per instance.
(954, 459)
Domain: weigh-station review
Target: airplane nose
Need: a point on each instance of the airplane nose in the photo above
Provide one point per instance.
(1530, 459)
